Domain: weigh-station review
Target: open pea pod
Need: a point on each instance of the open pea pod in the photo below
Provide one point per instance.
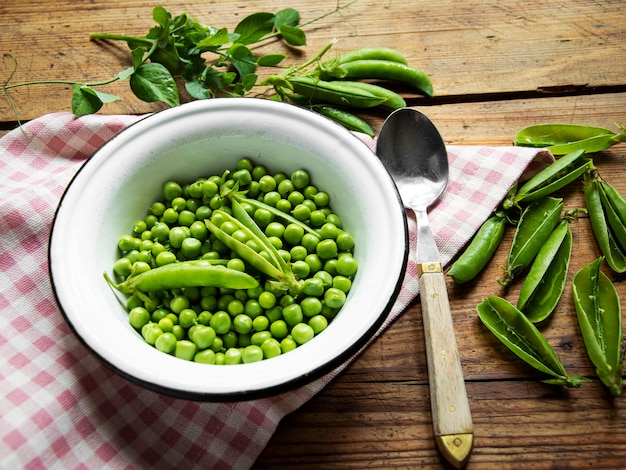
(522, 337)
(600, 319)
(552, 178)
(615, 257)
(562, 139)
(535, 225)
(545, 281)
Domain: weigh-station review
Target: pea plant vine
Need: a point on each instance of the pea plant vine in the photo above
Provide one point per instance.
(210, 61)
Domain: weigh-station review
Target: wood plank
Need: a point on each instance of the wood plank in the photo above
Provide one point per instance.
(496, 46)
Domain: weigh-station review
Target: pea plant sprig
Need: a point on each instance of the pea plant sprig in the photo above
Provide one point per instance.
(212, 62)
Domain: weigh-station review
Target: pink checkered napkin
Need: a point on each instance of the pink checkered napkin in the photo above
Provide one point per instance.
(61, 407)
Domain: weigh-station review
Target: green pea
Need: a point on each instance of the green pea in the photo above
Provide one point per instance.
(122, 267)
(318, 323)
(185, 349)
(166, 324)
(270, 348)
(208, 356)
(326, 249)
(187, 317)
(171, 190)
(232, 356)
(221, 322)
(287, 344)
(179, 204)
(311, 306)
(321, 199)
(334, 297)
(600, 320)
(302, 333)
(242, 324)
(165, 257)
(292, 314)
(260, 323)
(301, 269)
(252, 353)
(203, 336)
(128, 243)
(166, 343)
(138, 317)
(191, 247)
(157, 208)
(267, 300)
(342, 283)
(480, 250)
(293, 234)
(347, 265)
(296, 198)
(283, 205)
(279, 329)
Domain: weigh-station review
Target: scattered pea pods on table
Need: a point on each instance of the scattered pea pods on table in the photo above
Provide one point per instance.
(535, 225)
(545, 281)
(480, 250)
(600, 320)
(522, 337)
(335, 93)
(562, 139)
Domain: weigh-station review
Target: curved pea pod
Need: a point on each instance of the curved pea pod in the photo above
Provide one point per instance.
(392, 99)
(535, 226)
(335, 93)
(552, 178)
(562, 139)
(196, 273)
(346, 119)
(480, 250)
(615, 211)
(522, 337)
(545, 281)
(386, 70)
(371, 53)
(615, 258)
(600, 319)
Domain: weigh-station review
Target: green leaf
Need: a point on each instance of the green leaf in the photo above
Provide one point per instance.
(288, 16)
(106, 97)
(249, 81)
(253, 27)
(292, 35)
(242, 59)
(137, 56)
(153, 82)
(197, 90)
(161, 16)
(85, 100)
(270, 60)
(124, 74)
(215, 40)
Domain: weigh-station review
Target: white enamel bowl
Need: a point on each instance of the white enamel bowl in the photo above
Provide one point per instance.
(116, 186)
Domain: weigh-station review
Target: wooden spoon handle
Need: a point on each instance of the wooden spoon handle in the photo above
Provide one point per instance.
(452, 419)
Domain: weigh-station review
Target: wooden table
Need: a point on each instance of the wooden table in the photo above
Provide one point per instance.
(496, 66)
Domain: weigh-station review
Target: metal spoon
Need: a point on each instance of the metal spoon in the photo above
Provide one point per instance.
(413, 151)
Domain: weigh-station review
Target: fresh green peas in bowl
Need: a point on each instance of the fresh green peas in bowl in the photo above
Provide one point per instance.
(161, 173)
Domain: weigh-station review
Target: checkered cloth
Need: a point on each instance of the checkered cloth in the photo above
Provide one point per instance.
(61, 408)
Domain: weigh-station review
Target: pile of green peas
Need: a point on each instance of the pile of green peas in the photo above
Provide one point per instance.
(215, 325)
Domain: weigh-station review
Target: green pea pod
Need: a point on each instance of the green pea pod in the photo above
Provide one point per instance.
(562, 139)
(535, 226)
(480, 250)
(614, 256)
(387, 70)
(545, 282)
(522, 337)
(371, 53)
(616, 200)
(614, 220)
(552, 178)
(600, 319)
(335, 93)
(392, 99)
(346, 119)
(196, 273)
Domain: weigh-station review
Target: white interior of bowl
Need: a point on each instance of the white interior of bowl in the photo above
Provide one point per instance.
(116, 186)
